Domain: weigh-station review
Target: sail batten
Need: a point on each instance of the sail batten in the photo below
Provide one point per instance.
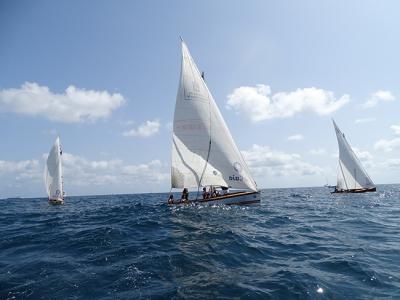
(203, 150)
(351, 174)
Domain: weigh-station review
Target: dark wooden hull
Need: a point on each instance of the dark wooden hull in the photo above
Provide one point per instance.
(354, 191)
(56, 201)
(239, 198)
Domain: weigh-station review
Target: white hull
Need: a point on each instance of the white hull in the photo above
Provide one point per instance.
(240, 198)
(56, 201)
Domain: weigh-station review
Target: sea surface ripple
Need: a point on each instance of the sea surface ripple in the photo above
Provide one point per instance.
(301, 243)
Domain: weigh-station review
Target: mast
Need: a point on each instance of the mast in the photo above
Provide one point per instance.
(203, 150)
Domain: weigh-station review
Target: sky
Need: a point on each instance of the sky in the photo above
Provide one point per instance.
(104, 75)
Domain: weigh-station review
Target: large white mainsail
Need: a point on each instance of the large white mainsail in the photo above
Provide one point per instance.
(203, 150)
(351, 174)
(53, 172)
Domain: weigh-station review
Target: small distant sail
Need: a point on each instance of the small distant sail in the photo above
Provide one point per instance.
(53, 172)
(351, 174)
(203, 150)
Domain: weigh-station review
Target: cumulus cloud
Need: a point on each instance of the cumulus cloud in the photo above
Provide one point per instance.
(379, 96)
(263, 160)
(150, 171)
(396, 129)
(146, 129)
(363, 155)
(74, 105)
(295, 137)
(392, 163)
(318, 151)
(388, 145)
(169, 126)
(258, 103)
(21, 169)
(364, 120)
(84, 172)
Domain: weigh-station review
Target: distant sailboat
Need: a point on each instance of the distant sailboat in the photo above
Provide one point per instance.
(327, 185)
(352, 178)
(53, 174)
(204, 153)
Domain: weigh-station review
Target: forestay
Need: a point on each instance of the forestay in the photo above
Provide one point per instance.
(351, 174)
(203, 150)
(53, 172)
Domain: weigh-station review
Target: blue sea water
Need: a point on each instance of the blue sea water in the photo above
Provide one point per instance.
(299, 243)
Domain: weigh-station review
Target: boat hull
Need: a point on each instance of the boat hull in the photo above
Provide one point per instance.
(355, 191)
(56, 201)
(239, 198)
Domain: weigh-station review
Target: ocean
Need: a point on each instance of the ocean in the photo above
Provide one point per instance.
(300, 243)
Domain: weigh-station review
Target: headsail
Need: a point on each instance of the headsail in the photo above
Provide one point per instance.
(53, 172)
(203, 150)
(351, 174)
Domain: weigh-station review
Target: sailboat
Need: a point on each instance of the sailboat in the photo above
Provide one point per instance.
(53, 178)
(204, 154)
(352, 177)
(327, 185)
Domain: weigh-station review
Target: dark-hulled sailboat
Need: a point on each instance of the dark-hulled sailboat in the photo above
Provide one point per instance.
(352, 177)
(204, 153)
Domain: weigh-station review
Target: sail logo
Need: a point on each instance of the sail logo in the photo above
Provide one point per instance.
(235, 178)
(189, 125)
(237, 167)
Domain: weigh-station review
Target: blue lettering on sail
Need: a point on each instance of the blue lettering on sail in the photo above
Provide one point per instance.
(235, 178)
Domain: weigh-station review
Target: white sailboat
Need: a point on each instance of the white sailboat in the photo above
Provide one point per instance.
(204, 153)
(352, 177)
(53, 178)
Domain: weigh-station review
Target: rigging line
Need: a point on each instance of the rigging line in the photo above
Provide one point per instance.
(354, 156)
(344, 178)
(209, 147)
(355, 179)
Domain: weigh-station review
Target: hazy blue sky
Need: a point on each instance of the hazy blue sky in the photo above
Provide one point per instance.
(104, 75)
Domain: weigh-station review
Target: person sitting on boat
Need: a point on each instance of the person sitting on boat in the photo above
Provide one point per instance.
(185, 195)
(171, 199)
(206, 195)
(213, 192)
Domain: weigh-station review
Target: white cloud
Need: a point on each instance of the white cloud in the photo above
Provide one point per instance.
(263, 160)
(147, 129)
(74, 105)
(375, 98)
(362, 155)
(258, 104)
(295, 137)
(83, 172)
(318, 151)
(392, 163)
(21, 169)
(396, 129)
(387, 145)
(169, 126)
(364, 120)
(150, 171)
